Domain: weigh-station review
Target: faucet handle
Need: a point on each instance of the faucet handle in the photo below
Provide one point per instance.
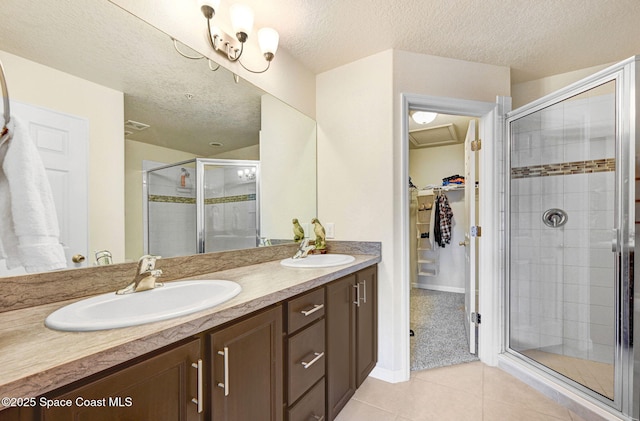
(156, 273)
(147, 263)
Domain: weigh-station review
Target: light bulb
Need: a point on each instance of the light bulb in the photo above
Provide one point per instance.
(268, 40)
(241, 20)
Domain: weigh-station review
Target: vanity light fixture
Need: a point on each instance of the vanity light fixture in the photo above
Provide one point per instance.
(242, 23)
(423, 117)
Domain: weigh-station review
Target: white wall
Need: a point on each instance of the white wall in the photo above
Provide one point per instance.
(360, 184)
(525, 92)
(288, 161)
(135, 153)
(35, 84)
(430, 166)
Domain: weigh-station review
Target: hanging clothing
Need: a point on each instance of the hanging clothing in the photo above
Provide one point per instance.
(445, 219)
(437, 233)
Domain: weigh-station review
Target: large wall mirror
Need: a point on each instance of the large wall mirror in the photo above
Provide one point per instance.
(100, 66)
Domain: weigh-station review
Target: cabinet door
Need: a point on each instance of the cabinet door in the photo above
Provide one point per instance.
(246, 382)
(367, 324)
(160, 388)
(341, 324)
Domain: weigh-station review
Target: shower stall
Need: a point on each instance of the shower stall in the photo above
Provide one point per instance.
(201, 206)
(571, 237)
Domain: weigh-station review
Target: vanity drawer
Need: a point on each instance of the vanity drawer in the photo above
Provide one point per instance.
(311, 407)
(306, 360)
(305, 309)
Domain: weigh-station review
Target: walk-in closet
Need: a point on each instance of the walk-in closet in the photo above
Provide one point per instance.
(439, 224)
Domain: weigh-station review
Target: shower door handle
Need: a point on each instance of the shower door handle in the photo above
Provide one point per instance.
(615, 245)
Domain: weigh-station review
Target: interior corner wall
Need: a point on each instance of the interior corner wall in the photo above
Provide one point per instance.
(360, 157)
(355, 169)
(39, 85)
(526, 92)
(135, 153)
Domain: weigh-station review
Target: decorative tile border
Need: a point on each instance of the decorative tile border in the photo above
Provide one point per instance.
(565, 168)
(192, 200)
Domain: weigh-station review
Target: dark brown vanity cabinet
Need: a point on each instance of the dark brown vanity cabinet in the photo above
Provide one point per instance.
(306, 357)
(246, 369)
(351, 318)
(164, 387)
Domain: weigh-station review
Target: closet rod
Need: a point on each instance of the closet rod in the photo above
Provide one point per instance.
(5, 97)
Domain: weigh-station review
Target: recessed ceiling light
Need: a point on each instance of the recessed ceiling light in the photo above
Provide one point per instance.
(215, 144)
(423, 117)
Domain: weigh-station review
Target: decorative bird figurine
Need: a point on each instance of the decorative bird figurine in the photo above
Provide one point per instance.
(318, 229)
(298, 231)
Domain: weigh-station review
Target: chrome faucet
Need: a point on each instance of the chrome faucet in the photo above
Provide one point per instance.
(146, 276)
(303, 249)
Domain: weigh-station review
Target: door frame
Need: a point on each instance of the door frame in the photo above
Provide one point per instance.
(490, 244)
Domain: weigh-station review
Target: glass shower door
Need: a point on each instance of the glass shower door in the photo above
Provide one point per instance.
(228, 216)
(563, 219)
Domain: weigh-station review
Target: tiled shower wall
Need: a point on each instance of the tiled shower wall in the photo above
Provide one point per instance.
(562, 279)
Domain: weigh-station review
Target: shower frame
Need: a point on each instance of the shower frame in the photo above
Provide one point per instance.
(200, 164)
(627, 357)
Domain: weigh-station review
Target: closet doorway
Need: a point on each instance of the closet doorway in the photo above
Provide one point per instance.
(443, 212)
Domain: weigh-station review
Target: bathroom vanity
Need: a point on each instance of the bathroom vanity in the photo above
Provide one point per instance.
(293, 345)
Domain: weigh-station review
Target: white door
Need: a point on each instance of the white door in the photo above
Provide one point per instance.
(63, 144)
(470, 239)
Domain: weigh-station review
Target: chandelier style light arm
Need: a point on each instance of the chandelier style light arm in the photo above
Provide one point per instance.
(175, 45)
(242, 21)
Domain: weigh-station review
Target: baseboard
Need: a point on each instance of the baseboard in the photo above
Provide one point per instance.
(390, 376)
(438, 288)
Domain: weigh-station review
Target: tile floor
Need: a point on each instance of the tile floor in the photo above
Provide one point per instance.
(471, 391)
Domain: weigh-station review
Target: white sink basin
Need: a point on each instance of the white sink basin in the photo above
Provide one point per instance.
(318, 261)
(174, 299)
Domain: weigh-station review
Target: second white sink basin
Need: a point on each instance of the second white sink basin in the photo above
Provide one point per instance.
(174, 299)
(318, 261)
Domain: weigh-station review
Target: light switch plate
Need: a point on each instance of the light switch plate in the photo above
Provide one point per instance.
(330, 230)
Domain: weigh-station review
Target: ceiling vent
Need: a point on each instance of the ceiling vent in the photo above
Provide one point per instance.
(434, 136)
(135, 125)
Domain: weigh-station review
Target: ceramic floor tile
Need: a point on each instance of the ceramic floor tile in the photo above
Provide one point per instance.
(359, 411)
(502, 387)
(464, 377)
(502, 411)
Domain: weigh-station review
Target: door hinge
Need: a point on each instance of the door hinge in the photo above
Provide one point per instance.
(476, 231)
(476, 318)
(476, 145)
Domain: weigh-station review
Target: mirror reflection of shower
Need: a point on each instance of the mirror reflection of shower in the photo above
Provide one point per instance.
(201, 206)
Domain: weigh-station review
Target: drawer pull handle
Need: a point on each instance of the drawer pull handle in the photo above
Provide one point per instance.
(357, 301)
(315, 308)
(317, 417)
(313, 361)
(225, 385)
(199, 400)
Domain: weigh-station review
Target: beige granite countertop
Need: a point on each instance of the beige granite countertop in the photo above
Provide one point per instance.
(35, 359)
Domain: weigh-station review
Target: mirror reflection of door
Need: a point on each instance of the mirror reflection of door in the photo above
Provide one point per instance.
(62, 142)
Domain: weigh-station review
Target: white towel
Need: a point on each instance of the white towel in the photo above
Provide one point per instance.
(28, 222)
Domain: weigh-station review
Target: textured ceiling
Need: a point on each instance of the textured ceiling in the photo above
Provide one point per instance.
(98, 41)
(102, 43)
(536, 38)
